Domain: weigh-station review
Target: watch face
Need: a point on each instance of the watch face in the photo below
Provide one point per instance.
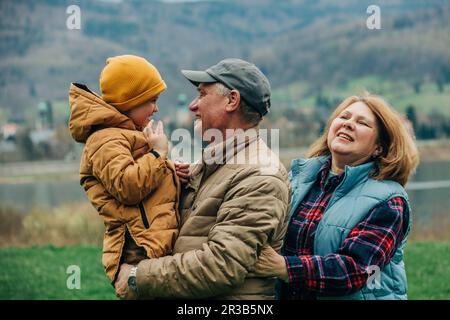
(132, 283)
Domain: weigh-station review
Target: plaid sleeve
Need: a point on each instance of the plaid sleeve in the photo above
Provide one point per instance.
(372, 242)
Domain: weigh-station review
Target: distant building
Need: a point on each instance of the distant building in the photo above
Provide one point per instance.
(41, 136)
(9, 131)
(8, 146)
(45, 117)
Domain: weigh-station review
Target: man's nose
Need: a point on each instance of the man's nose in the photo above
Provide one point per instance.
(193, 104)
(156, 108)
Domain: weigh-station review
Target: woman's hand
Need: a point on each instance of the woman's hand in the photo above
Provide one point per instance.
(182, 171)
(271, 264)
(156, 138)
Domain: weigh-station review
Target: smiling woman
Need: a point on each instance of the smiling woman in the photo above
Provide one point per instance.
(353, 137)
(364, 119)
(350, 213)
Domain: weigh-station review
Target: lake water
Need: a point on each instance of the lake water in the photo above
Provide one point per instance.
(426, 200)
(432, 199)
(24, 196)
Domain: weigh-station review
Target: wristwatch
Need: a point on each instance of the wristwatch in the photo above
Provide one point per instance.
(155, 153)
(132, 283)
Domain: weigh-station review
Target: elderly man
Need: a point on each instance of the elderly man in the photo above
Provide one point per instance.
(232, 205)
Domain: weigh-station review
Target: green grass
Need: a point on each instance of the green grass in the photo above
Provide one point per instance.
(40, 272)
(428, 270)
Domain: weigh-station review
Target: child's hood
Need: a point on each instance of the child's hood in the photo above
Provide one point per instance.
(88, 112)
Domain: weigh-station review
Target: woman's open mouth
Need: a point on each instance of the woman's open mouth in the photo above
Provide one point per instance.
(345, 137)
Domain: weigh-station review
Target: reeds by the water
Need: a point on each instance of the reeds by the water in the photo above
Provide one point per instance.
(79, 223)
(76, 223)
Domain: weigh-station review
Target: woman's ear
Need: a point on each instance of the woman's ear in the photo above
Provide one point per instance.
(234, 100)
(378, 151)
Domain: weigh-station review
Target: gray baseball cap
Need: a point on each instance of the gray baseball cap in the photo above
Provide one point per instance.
(240, 75)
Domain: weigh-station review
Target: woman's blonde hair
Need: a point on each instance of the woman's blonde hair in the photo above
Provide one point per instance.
(399, 158)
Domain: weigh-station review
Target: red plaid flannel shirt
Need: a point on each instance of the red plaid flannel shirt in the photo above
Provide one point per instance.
(372, 242)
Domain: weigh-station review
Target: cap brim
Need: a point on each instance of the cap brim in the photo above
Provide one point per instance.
(197, 77)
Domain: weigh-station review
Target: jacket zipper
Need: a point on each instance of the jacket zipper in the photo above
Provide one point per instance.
(144, 216)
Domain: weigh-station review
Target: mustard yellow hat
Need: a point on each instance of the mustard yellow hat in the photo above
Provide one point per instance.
(128, 81)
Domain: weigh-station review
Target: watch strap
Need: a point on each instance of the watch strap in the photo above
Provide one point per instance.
(155, 153)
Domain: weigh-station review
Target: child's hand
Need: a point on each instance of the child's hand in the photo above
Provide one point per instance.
(182, 171)
(156, 138)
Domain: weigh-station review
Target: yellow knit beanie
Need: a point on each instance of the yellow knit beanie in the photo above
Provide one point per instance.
(128, 81)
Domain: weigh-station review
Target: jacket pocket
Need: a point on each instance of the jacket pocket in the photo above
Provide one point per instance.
(144, 216)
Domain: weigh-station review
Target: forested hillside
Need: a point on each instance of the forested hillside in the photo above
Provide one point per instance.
(320, 43)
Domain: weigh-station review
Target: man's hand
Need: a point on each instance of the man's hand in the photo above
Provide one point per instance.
(182, 171)
(156, 138)
(271, 264)
(122, 290)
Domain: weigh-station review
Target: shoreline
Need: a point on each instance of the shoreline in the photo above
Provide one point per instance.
(51, 170)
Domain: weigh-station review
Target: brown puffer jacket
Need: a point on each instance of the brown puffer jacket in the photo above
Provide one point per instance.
(228, 213)
(130, 188)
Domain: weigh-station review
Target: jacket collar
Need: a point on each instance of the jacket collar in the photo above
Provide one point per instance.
(225, 152)
(306, 170)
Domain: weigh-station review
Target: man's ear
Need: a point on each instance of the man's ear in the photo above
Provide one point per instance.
(234, 100)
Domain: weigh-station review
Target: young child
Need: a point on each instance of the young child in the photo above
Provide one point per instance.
(124, 172)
